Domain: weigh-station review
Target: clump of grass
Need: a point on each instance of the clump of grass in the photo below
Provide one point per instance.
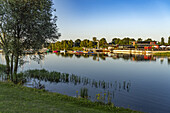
(162, 54)
(84, 93)
(44, 75)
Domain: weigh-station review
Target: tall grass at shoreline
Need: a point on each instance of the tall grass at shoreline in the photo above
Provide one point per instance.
(162, 54)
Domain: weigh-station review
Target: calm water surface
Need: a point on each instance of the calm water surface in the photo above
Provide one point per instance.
(134, 81)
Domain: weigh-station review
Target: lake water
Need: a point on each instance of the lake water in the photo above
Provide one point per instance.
(137, 82)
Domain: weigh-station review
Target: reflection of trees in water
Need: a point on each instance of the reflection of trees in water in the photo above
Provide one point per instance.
(94, 57)
(109, 88)
(161, 60)
(78, 55)
(38, 58)
(85, 55)
(27, 58)
(126, 57)
(58, 54)
(101, 56)
(168, 61)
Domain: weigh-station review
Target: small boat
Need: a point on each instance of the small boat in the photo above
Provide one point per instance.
(85, 52)
(56, 51)
(79, 51)
(63, 51)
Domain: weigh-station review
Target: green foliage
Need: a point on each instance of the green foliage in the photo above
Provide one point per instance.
(139, 39)
(63, 45)
(149, 39)
(77, 43)
(94, 39)
(84, 93)
(70, 45)
(25, 24)
(90, 44)
(169, 40)
(103, 43)
(77, 48)
(124, 41)
(2, 68)
(162, 54)
(84, 43)
(162, 41)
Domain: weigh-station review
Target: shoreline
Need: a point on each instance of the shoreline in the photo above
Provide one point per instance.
(85, 103)
(36, 100)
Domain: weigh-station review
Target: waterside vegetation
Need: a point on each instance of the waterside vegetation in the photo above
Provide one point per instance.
(38, 100)
(78, 44)
(162, 54)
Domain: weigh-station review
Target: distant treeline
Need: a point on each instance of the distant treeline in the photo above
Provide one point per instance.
(79, 44)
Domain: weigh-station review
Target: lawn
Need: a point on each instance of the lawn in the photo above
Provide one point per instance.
(17, 98)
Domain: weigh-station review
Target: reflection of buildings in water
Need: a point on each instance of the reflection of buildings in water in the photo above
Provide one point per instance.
(143, 58)
(99, 56)
(134, 57)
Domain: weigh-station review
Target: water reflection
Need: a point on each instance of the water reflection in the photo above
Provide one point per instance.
(134, 81)
(57, 77)
(42, 78)
(104, 56)
(168, 60)
(39, 58)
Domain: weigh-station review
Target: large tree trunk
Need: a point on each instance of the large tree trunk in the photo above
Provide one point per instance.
(12, 60)
(16, 67)
(7, 65)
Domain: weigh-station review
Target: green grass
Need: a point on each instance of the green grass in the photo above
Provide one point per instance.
(17, 98)
(77, 48)
(162, 54)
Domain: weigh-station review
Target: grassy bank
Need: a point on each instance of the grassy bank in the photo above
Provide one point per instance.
(162, 54)
(16, 98)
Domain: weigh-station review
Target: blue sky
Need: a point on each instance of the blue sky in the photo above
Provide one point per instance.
(85, 19)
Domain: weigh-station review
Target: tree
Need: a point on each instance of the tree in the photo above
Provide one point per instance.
(70, 44)
(126, 41)
(162, 41)
(58, 45)
(115, 40)
(64, 45)
(84, 43)
(94, 42)
(139, 39)
(169, 40)
(94, 39)
(90, 44)
(77, 42)
(149, 39)
(103, 43)
(25, 24)
(131, 40)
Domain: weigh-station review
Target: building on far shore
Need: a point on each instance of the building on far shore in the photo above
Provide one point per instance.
(144, 43)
